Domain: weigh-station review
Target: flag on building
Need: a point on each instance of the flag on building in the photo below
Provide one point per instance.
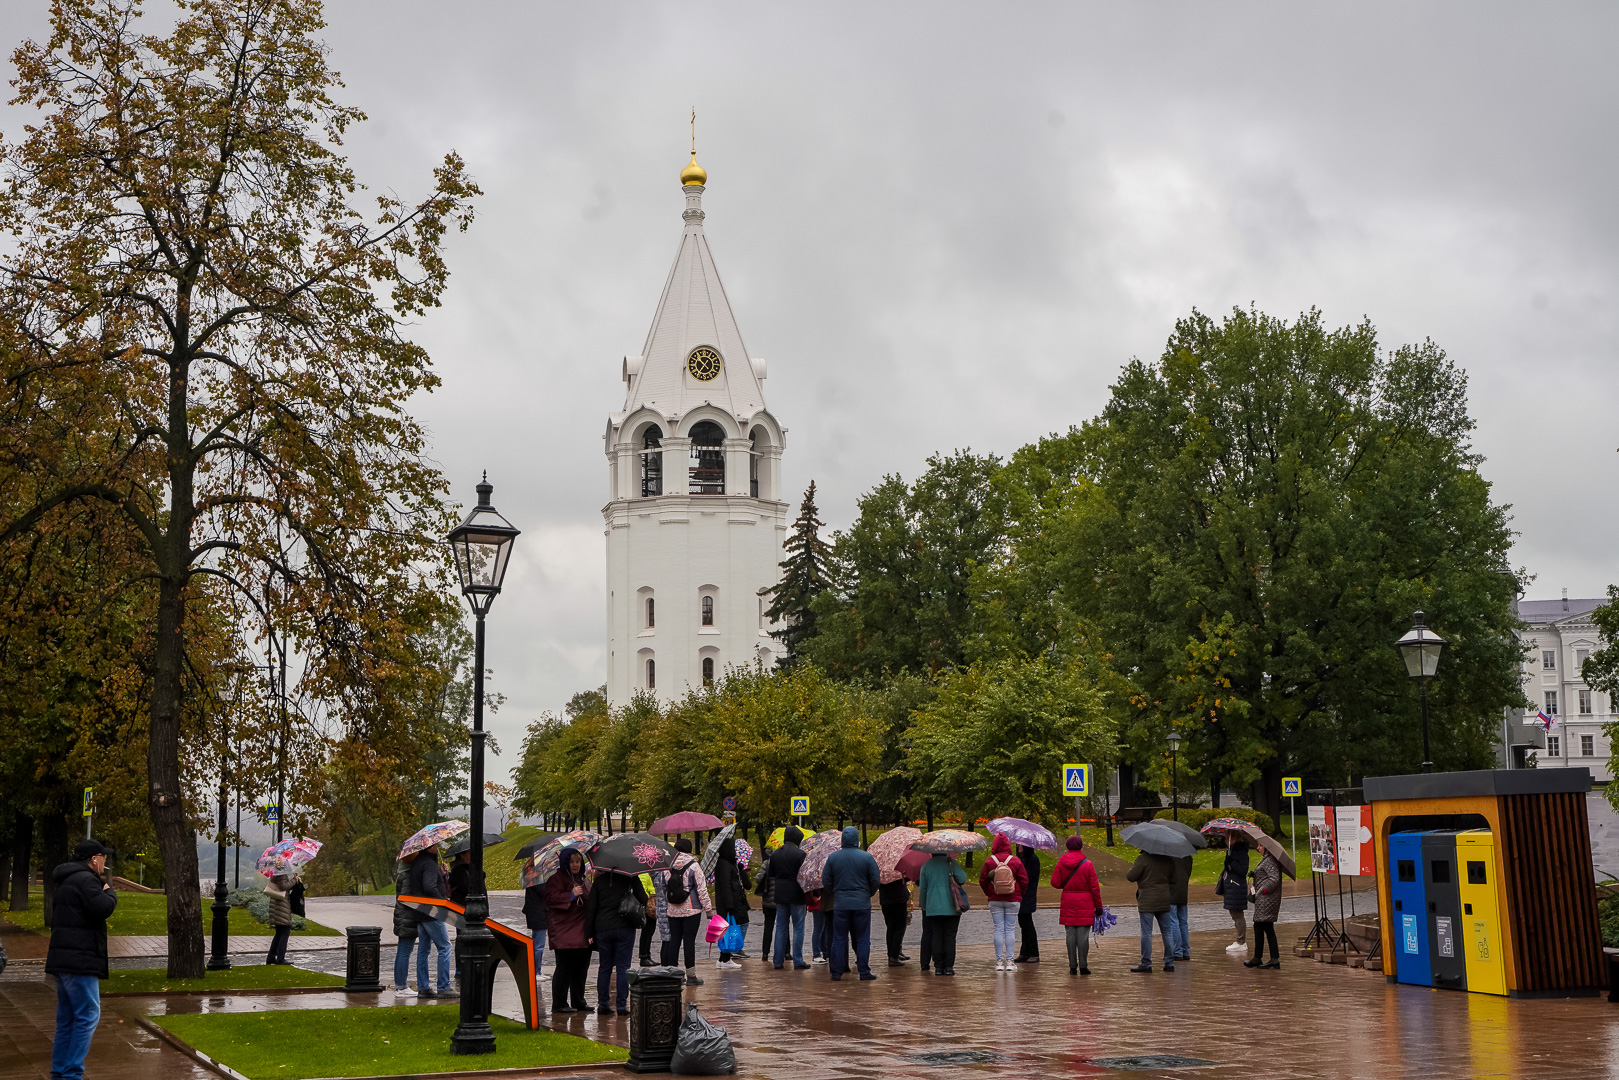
(1546, 722)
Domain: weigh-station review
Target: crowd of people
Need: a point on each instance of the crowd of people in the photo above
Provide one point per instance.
(577, 914)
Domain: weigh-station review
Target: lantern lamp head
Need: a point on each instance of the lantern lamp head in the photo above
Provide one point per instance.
(482, 545)
(1420, 648)
(1174, 741)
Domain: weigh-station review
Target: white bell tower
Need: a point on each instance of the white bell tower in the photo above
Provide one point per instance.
(695, 521)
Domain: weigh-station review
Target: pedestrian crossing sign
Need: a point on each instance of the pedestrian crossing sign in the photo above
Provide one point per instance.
(1292, 786)
(800, 806)
(1076, 781)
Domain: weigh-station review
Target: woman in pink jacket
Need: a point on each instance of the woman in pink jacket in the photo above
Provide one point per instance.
(1081, 901)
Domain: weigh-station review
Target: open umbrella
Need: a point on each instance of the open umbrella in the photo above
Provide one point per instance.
(1274, 846)
(633, 853)
(744, 853)
(910, 865)
(685, 821)
(465, 843)
(1198, 839)
(436, 833)
(775, 840)
(1231, 824)
(287, 857)
(534, 845)
(711, 854)
(544, 862)
(889, 848)
(818, 849)
(950, 842)
(1153, 838)
(1020, 831)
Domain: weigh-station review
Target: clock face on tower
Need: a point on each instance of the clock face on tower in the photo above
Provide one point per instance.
(703, 363)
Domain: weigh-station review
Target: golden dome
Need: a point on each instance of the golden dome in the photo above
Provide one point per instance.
(693, 173)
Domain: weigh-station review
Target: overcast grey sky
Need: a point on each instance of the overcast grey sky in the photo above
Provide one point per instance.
(949, 225)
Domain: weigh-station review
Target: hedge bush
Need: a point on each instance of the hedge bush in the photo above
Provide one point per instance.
(1199, 818)
(258, 906)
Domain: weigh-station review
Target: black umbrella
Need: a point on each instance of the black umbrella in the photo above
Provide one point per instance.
(535, 844)
(465, 843)
(1156, 838)
(633, 853)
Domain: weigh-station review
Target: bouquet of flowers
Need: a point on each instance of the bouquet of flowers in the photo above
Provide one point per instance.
(1105, 920)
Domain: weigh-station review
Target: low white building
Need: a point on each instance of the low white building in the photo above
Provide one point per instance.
(695, 519)
(1560, 636)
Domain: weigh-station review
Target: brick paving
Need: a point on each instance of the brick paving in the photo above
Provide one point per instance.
(1306, 1020)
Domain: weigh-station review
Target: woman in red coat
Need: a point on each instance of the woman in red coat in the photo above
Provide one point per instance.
(1081, 901)
(565, 896)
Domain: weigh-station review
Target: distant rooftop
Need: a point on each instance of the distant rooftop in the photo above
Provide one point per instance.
(1541, 611)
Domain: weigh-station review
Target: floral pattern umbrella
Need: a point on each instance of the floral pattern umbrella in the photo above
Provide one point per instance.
(544, 862)
(889, 848)
(775, 840)
(432, 835)
(634, 853)
(744, 853)
(287, 857)
(1022, 831)
(1231, 824)
(950, 842)
(818, 849)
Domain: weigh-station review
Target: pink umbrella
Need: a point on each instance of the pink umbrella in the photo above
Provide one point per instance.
(686, 821)
(911, 863)
(889, 848)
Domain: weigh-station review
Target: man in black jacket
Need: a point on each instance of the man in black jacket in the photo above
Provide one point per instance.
(790, 899)
(78, 955)
(612, 934)
(426, 879)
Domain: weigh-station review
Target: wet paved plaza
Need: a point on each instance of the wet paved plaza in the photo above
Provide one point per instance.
(1306, 1020)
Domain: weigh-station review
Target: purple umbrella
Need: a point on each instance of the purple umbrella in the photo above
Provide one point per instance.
(686, 821)
(1018, 831)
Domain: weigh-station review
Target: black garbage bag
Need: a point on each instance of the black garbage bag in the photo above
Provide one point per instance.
(701, 1049)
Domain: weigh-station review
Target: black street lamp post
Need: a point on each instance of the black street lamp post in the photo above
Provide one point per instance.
(1421, 649)
(219, 958)
(481, 544)
(1174, 775)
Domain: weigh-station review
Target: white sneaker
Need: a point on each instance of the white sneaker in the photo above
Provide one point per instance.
(819, 960)
(1000, 965)
(1236, 947)
(404, 991)
(730, 964)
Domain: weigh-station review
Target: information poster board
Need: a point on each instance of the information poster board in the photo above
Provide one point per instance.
(1323, 845)
(1352, 830)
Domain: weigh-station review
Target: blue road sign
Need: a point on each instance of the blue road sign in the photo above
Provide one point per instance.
(1292, 786)
(729, 802)
(800, 807)
(1076, 780)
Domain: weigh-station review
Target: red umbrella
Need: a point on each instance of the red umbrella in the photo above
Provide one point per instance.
(686, 821)
(911, 863)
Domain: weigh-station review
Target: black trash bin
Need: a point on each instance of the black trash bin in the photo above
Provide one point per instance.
(365, 959)
(655, 1000)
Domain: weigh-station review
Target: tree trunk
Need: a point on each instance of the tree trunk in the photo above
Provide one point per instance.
(1215, 780)
(22, 847)
(176, 842)
(53, 851)
(1267, 793)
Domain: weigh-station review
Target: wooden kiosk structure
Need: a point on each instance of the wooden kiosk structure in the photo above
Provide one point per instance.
(1543, 876)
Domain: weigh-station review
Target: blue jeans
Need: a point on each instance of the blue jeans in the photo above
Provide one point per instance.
(1183, 932)
(789, 915)
(78, 1010)
(616, 946)
(1004, 915)
(402, 962)
(433, 932)
(539, 937)
(1166, 926)
(846, 924)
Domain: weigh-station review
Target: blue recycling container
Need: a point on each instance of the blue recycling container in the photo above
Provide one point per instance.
(1409, 892)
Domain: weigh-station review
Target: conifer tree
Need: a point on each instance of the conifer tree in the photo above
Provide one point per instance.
(804, 577)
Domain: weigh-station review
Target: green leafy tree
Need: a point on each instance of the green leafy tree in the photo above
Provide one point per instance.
(901, 599)
(213, 347)
(1601, 670)
(804, 576)
(994, 740)
(1249, 525)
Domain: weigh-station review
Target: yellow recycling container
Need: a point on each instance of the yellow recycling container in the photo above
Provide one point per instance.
(1481, 912)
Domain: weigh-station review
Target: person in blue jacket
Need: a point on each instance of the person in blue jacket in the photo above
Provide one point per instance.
(850, 879)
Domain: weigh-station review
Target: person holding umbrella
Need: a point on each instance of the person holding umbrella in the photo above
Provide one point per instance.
(610, 924)
(1154, 875)
(427, 880)
(566, 894)
(936, 896)
(407, 924)
(731, 884)
(1233, 889)
(1029, 943)
(790, 899)
(1267, 906)
(277, 889)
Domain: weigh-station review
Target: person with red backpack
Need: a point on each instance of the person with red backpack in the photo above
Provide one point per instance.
(1003, 879)
(1081, 902)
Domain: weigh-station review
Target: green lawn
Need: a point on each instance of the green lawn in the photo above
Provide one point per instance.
(141, 914)
(254, 977)
(298, 1044)
(500, 867)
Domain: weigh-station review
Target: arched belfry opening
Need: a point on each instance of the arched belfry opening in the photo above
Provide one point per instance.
(652, 462)
(707, 459)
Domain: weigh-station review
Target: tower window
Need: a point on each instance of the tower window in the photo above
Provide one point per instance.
(652, 463)
(708, 671)
(651, 614)
(707, 459)
(651, 674)
(708, 611)
(753, 467)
